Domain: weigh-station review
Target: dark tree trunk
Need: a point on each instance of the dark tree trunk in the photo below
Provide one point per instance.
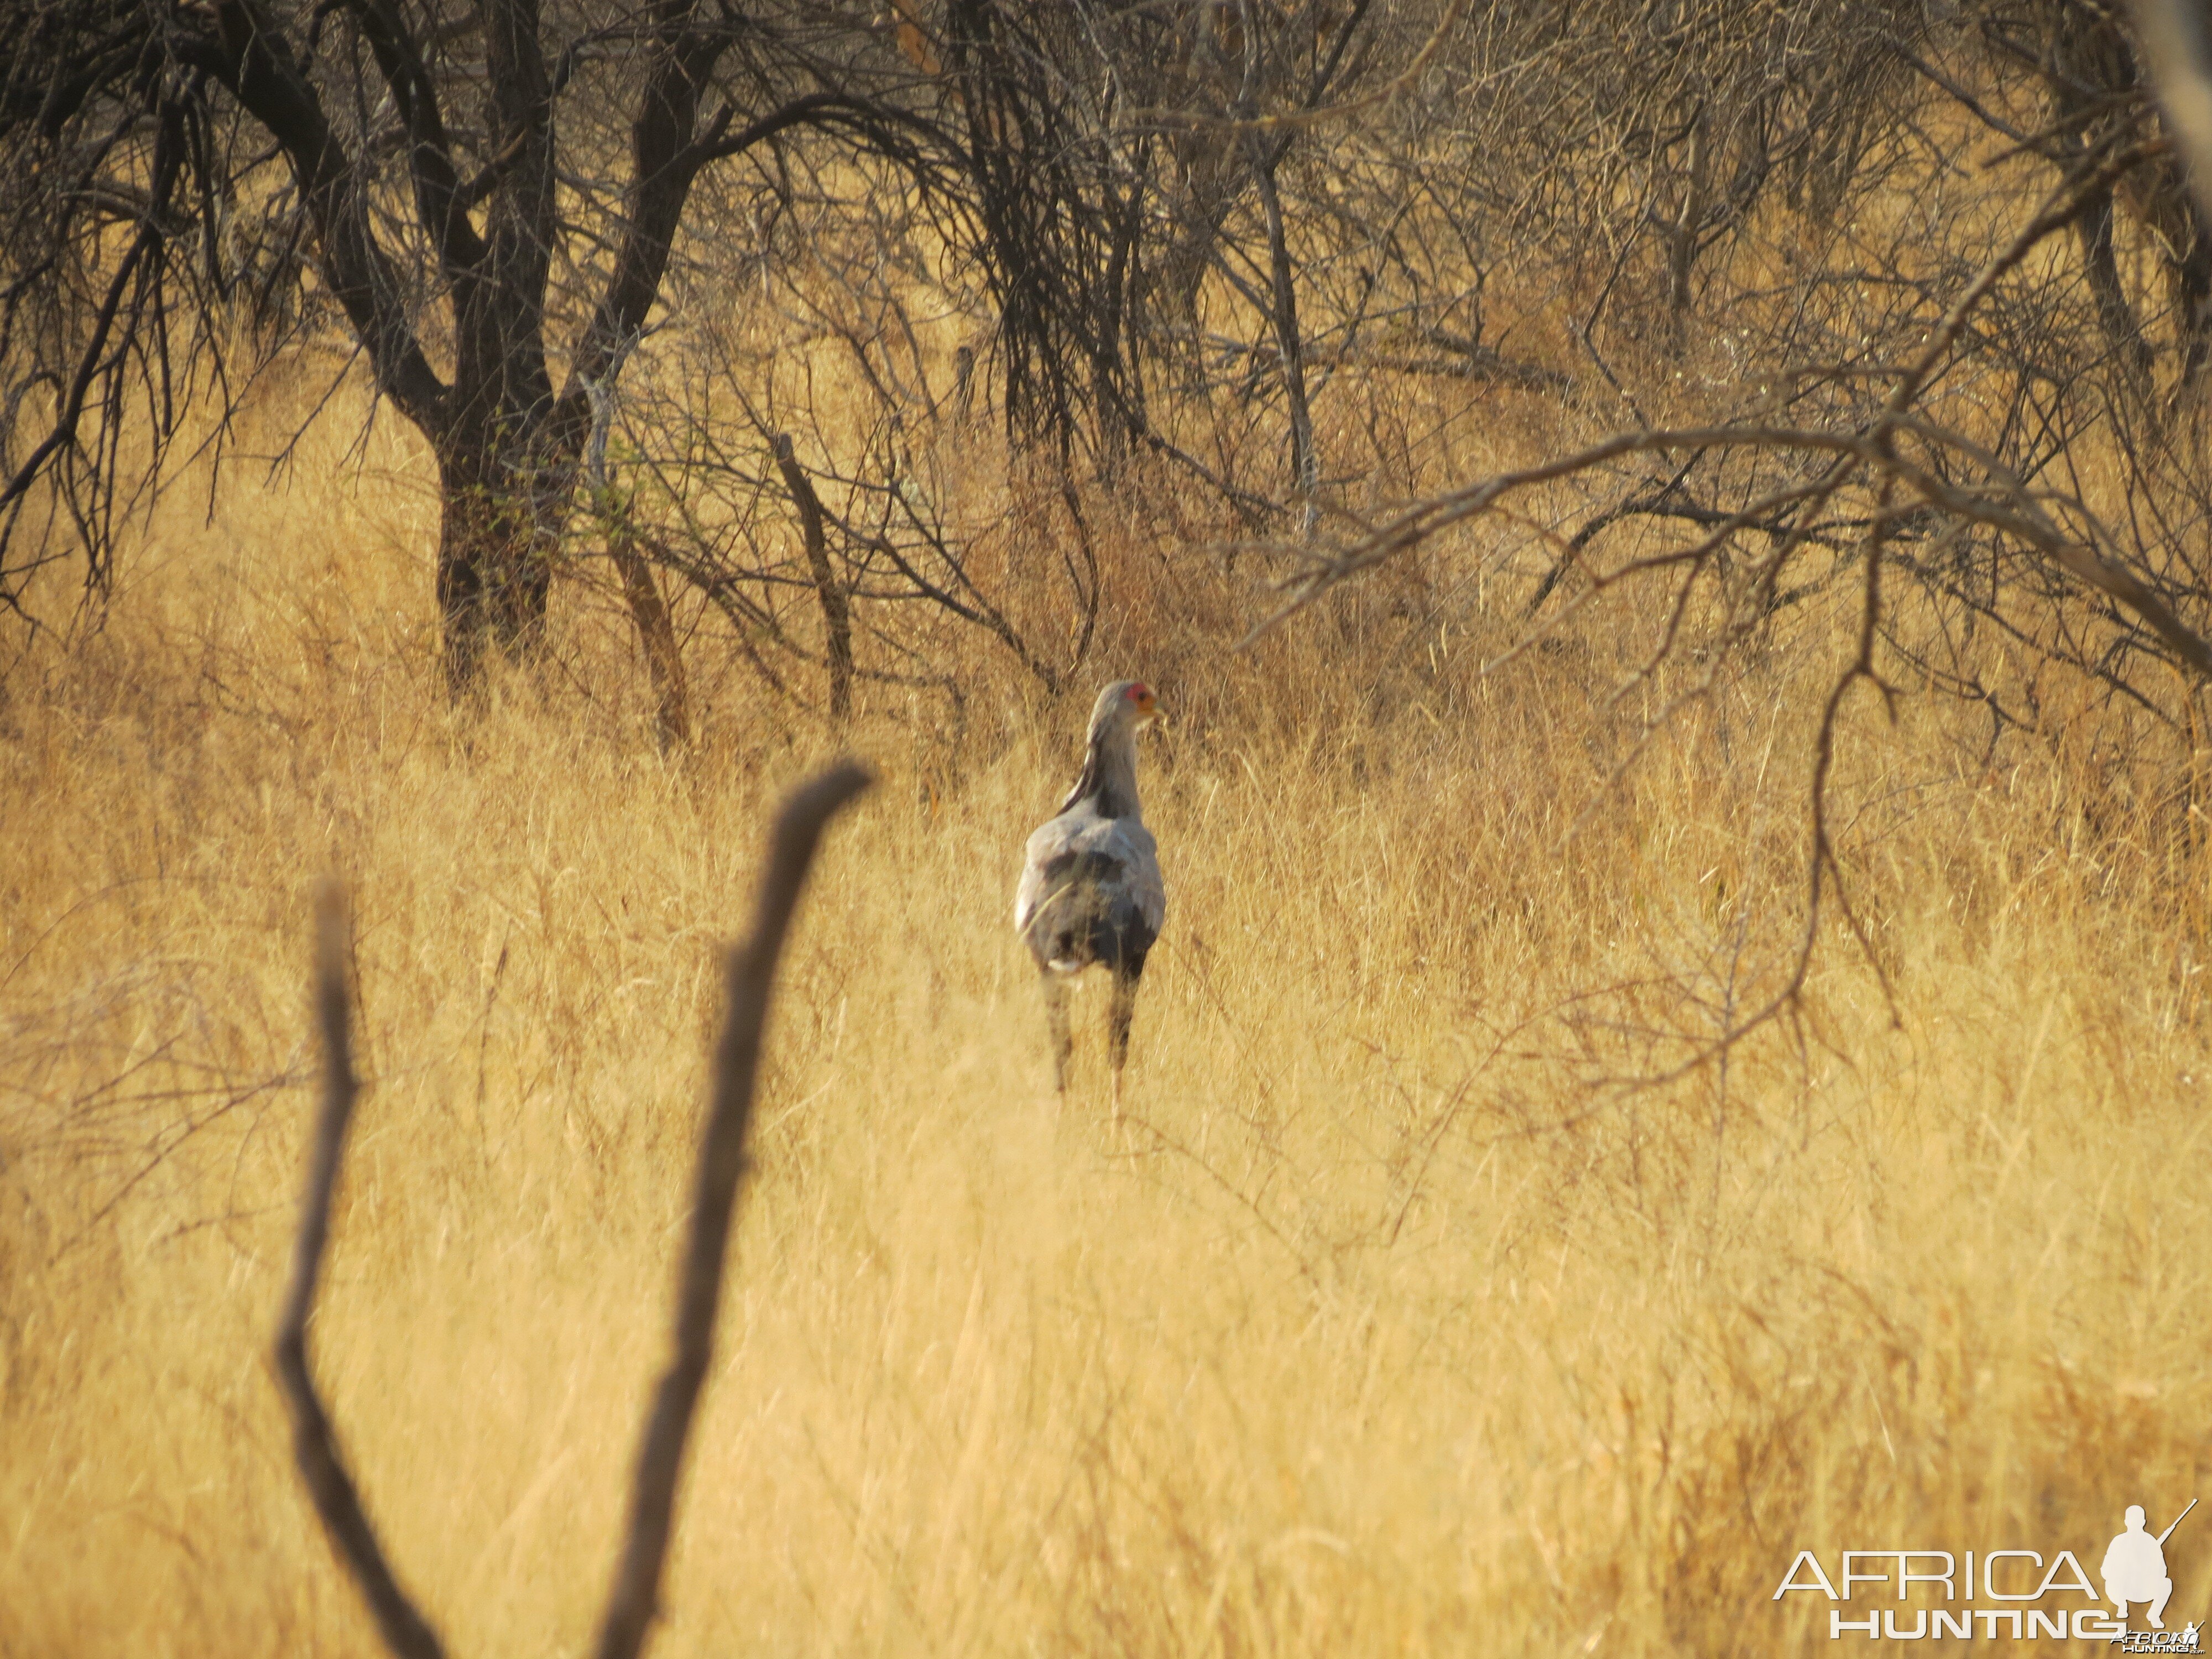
(1682, 236)
(2168, 204)
(1305, 461)
(494, 561)
(2090, 65)
(2116, 313)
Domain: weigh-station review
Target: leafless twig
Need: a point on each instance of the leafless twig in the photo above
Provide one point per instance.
(836, 619)
(314, 1444)
(633, 1601)
(798, 829)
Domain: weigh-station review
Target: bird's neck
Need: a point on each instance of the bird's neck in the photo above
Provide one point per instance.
(1109, 776)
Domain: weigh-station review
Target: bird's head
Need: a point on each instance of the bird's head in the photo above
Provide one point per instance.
(1128, 705)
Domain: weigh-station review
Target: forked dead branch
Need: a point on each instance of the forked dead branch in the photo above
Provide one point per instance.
(633, 1601)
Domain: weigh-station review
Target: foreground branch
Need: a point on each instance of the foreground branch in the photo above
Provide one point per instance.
(314, 1444)
(634, 1601)
(722, 1162)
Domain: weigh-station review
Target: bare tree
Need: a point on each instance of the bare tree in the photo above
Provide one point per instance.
(633, 1601)
(1186, 240)
(458, 188)
(2086, 60)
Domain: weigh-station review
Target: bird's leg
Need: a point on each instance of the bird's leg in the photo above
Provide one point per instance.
(1123, 1009)
(1055, 1018)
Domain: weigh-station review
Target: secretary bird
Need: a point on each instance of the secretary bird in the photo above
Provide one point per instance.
(1090, 892)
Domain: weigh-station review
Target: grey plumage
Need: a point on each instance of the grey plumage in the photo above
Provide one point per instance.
(1090, 892)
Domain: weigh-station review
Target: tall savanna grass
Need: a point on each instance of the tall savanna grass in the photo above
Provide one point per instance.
(1429, 1299)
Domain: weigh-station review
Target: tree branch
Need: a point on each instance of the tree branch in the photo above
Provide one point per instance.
(666, 158)
(806, 812)
(662, 168)
(836, 619)
(440, 201)
(250, 57)
(314, 1443)
(64, 432)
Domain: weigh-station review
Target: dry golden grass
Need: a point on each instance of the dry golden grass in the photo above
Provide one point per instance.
(1393, 1320)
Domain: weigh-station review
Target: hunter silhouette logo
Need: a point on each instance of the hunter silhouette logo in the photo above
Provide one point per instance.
(2135, 1566)
(2019, 1594)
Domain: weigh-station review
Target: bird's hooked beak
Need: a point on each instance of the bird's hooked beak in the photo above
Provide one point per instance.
(1149, 711)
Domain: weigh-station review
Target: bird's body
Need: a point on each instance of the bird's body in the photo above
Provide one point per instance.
(1090, 892)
